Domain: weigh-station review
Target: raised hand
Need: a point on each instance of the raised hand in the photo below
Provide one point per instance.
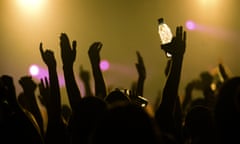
(94, 52)
(28, 85)
(68, 52)
(178, 43)
(47, 57)
(44, 89)
(27, 98)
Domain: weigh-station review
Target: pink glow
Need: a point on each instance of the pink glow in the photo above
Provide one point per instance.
(104, 65)
(33, 70)
(38, 72)
(190, 25)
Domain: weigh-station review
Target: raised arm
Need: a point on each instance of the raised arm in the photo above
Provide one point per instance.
(68, 54)
(85, 77)
(141, 74)
(19, 125)
(170, 91)
(94, 56)
(54, 101)
(29, 87)
(44, 91)
(56, 129)
(166, 112)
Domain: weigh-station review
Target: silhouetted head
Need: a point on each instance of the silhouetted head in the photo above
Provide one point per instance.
(117, 96)
(83, 120)
(126, 123)
(199, 126)
(206, 79)
(199, 122)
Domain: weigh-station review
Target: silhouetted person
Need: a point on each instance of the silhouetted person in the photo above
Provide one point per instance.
(56, 128)
(16, 125)
(83, 123)
(85, 110)
(28, 100)
(126, 123)
(166, 113)
(199, 126)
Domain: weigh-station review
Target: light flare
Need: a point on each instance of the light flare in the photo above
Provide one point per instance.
(31, 6)
(34, 70)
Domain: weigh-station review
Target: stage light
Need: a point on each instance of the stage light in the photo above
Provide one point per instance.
(190, 25)
(34, 70)
(30, 5)
(104, 65)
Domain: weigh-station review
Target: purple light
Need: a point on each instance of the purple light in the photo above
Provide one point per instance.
(34, 70)
(190, 25)
(104, 65)
(37, 71)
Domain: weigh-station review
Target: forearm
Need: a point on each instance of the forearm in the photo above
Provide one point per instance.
(140, 87)
(55, 97)
(88, 91)
(73, 92)
(100, 87)
(170, 91)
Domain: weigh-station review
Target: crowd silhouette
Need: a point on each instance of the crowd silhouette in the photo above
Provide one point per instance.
(119, 115)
